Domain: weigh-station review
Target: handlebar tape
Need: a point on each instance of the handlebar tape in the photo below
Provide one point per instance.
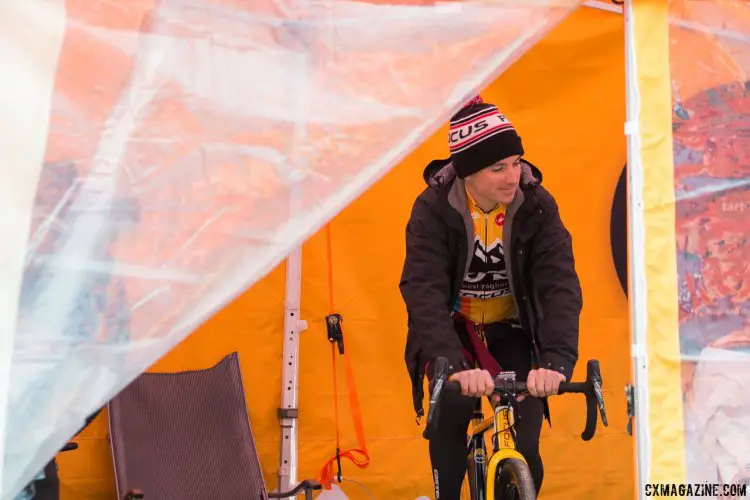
(584, 388)
(565, 387)
(591, 389)
(590, 429)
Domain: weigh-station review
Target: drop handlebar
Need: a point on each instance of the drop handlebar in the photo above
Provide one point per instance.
(507, 386)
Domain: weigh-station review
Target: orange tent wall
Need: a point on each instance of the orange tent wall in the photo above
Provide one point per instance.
(566, 97)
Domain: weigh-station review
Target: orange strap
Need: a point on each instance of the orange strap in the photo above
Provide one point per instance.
(358, 456)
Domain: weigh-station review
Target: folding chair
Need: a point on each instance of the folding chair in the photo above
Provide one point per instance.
(186, 436)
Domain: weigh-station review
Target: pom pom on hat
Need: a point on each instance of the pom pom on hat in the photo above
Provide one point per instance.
(475, 100)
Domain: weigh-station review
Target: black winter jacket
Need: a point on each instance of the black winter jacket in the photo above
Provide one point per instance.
(543, 279)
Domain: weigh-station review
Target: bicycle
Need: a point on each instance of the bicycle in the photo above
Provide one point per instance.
(507, 475)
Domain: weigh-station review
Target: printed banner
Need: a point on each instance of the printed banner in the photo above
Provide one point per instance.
(710, 68)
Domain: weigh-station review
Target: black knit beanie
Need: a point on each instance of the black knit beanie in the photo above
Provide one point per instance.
(479, 137)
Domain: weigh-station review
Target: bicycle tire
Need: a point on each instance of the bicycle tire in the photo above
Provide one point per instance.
(514, 476)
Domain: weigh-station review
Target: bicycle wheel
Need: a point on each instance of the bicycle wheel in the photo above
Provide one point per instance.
(514, 481)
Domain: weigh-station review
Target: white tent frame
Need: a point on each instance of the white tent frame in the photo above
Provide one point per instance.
(288, 412)
(637, 258)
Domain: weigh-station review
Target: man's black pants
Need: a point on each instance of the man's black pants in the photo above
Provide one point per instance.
(448, 454)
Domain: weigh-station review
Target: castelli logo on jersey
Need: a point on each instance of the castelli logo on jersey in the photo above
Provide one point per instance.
(500, 219)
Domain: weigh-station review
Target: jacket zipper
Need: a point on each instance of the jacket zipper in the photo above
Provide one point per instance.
(486, 264)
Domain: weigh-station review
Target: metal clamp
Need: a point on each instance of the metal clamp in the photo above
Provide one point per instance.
(630, 396)
(335, 334)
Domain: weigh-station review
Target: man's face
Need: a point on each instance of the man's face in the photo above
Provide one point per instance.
(498, 182)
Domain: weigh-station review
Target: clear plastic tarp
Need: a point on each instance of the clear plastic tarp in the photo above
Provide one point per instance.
(710, 68)
(159, 157)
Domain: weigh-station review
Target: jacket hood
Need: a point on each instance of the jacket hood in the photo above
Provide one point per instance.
(441, 173)
(433, 168)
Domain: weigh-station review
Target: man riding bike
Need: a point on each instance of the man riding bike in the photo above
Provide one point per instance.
(489, 281)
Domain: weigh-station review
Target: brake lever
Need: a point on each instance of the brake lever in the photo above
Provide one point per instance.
(442, 369)
(600, 401)
(437, 389)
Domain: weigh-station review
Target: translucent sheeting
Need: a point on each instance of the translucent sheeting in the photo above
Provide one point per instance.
(710, 61)
(191, 146)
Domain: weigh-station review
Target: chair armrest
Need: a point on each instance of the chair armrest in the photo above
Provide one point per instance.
(307, 486)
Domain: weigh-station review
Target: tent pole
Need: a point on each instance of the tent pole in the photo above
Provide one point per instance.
(636, 237)
(293, 326)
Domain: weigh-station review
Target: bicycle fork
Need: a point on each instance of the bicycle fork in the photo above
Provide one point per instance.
(476, 460)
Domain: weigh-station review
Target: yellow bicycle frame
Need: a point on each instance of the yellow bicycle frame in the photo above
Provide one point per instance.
(506, 445)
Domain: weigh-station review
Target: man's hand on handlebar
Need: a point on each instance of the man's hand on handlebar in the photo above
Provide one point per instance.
(543, 382)
(475, 383)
